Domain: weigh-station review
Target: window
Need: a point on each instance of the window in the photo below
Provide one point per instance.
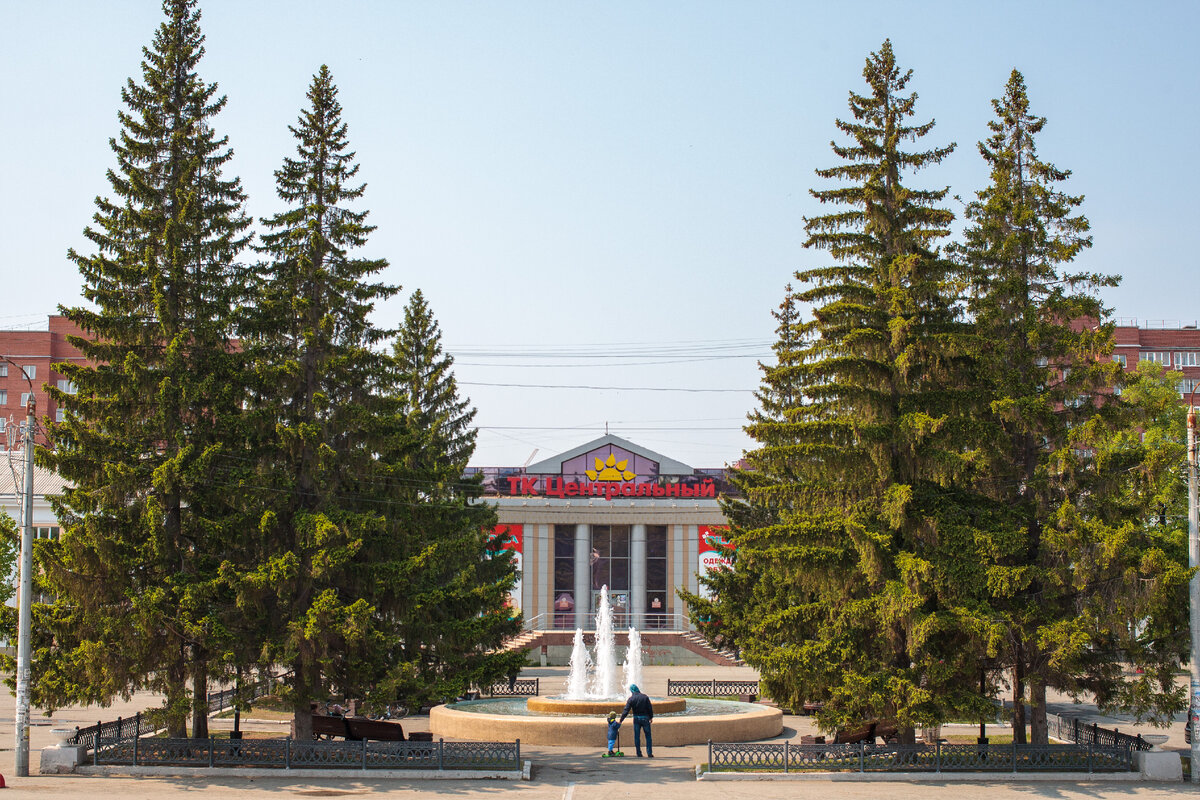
(3, 424)
(1187, 386)
(45, 533)
(66, 386)
(1121, 359)
(59, 415)
(656, 577)
(1042, 361)
(564, 576)
(30, 371)
(25, 399)
(610, 567)
(3, 370)
(3, 397)
(1187, 359)
(1157, 357)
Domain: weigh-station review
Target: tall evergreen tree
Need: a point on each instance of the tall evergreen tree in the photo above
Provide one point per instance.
(724, 613)
(440, 577)
(316, 406)
(1044, 365)
(139, 604)
(866, 569)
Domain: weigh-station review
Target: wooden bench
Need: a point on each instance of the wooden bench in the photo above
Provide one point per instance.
(806, 739)
(855, 736)
(356, 729)
(884, 730)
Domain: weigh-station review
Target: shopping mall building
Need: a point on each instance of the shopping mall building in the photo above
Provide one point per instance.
(608, 513)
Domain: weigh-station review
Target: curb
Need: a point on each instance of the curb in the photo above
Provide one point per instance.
(305, 774)
(924, 777)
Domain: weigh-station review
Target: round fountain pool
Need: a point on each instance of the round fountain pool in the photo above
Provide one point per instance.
(696, 723)
(593, 690)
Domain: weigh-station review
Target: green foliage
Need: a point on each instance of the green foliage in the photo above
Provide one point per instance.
(315, 423)
(1073, 579)
(143, 522)
(858, 563)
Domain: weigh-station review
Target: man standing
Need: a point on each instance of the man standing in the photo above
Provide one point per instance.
(643, 712)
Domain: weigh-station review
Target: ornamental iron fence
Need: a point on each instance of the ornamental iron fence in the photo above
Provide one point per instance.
(938, 757)
(290, 754)
(118, 730)
(1072, 729)
(522, 687)
(710, 688)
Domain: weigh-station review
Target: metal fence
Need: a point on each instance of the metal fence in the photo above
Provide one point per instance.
(219, 701)
(290, 754)
(522, 687)
(710, 688)
(1072, 729)
(118, 730)
(863, 757)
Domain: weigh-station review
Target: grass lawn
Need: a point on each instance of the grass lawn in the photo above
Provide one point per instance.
(962, 738)
(267, 707)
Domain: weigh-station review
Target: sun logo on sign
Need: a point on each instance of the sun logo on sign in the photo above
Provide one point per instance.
(610, 470)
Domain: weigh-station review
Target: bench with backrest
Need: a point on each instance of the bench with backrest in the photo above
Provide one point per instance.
(886, 731)
(356, 729)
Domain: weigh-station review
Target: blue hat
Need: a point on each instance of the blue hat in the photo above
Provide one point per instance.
(633, 687)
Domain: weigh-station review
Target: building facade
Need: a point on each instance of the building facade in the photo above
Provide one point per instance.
(1175, 346)
(32, 353)
(608, 514)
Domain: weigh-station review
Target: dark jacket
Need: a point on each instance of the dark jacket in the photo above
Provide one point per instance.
(613, 727)
(639, 705)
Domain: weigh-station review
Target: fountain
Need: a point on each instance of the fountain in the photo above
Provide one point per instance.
(577, 716)
(592, 682)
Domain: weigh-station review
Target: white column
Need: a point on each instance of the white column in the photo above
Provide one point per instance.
(637, 576)
(583, 575)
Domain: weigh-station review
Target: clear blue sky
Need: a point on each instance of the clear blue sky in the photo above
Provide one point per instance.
(618, 178)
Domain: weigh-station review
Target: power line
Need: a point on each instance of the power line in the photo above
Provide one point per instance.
(605, 388)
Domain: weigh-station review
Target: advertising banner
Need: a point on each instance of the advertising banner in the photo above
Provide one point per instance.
(712, 548)
(514, 541)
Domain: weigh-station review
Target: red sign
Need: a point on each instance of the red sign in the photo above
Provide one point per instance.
(514, 540)
(712, 548)
(551, 486)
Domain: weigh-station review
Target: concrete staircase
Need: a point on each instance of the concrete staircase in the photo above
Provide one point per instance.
(724, 658)
(521, 640)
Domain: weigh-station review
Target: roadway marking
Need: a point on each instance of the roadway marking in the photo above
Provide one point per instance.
(567, 795)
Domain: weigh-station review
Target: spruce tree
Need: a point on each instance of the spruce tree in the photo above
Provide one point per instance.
(144, 525)
(725, 613)
(863, 558)
(316, 409)
(439, 576)
(1043, 365)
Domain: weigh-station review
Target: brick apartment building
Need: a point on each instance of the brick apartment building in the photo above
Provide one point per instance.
(1174, 345)
(33, 352)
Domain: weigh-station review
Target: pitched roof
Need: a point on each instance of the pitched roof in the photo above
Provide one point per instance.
(553, 465)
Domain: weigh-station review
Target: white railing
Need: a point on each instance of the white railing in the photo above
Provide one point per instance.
(565, 621)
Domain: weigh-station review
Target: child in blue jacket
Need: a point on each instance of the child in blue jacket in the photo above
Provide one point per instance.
(613, 727)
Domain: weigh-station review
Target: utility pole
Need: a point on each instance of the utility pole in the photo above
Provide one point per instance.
(1194, 587)
(25, 595)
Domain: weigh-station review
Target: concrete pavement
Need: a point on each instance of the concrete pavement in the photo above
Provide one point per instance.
(558, 774)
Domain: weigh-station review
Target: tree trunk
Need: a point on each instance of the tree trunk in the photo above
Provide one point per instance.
(177, 702)
(199, 697)
(1039, 731)
(906, 736)
(301, 703)
(1018, 719)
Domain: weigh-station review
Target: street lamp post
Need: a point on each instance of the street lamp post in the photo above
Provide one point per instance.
(25, 594)
(1194, 586)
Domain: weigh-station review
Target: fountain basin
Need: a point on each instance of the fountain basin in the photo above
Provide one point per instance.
(720, 721)
(561, 705)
